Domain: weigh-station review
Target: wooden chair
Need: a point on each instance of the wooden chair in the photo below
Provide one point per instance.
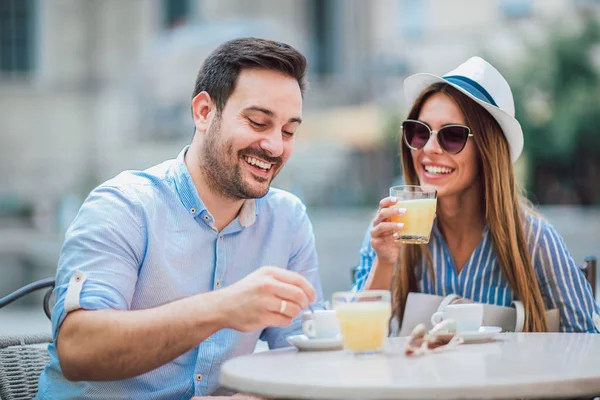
(22, 358)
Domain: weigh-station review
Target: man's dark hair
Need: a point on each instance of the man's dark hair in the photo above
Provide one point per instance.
(219, 73)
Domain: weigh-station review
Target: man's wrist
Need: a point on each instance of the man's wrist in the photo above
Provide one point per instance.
(219, 309)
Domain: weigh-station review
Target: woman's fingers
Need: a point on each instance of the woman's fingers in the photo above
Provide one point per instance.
(387, 202)
(384, 214)
(386, 229)
(385, 232)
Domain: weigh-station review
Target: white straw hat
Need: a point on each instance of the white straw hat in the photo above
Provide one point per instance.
(479, 80)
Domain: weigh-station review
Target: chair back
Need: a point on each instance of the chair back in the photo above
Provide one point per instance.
(589, 271)
(420, 307)
(22, 360)
(30, 288)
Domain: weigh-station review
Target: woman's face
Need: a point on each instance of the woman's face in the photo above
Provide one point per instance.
(449, 174)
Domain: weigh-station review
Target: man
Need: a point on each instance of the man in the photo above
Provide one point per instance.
(160, 279)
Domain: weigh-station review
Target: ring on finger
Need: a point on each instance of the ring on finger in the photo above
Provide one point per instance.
(282, 307)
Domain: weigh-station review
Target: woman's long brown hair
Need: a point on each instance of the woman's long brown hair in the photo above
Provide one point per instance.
(505, 212)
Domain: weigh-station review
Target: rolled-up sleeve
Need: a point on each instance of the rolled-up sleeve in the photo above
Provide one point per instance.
(303, 260)
(563, 285)
(101, 255)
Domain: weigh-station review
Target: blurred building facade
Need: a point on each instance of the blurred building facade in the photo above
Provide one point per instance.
(88, 88)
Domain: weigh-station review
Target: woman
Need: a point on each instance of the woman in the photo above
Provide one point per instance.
(487, 244)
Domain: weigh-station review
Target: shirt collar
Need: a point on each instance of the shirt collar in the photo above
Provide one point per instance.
(193, 203)
(248, 213)
(438, 234)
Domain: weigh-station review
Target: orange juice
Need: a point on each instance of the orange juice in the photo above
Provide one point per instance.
(418, 220)
(364, 325)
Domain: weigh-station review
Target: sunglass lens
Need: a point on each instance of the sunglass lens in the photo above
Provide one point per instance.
(415, 134)
(453, 138)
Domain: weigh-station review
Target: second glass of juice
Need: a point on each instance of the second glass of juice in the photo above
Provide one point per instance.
(420, 203)
(364, 319)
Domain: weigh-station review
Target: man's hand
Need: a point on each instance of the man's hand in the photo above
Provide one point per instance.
(269, 296)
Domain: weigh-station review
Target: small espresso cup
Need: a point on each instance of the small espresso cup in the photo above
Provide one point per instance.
(321, 324)
(468, 316)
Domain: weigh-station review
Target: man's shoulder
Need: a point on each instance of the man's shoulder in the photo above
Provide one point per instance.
(281, 199)
(137, 186)
(142, 180)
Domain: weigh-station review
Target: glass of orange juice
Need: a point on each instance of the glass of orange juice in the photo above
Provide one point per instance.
(420, 203)
(364, 319)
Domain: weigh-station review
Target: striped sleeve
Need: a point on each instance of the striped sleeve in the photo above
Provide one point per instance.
(562, 283)
(367, 256)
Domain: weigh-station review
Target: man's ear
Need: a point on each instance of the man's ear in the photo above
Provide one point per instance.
(203, 108)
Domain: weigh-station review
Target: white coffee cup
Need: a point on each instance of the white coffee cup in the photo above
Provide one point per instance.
(322, 324)
(469, 316)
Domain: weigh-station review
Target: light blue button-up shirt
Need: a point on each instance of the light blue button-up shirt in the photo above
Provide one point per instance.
(143, 239)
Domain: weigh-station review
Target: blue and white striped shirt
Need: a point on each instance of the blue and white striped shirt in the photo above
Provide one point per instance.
(144, 239)
(562, 284)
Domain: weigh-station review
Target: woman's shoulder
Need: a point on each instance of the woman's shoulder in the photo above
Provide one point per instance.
(541, 235)
(535, 225)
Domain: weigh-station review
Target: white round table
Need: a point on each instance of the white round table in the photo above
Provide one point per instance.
(511, 366)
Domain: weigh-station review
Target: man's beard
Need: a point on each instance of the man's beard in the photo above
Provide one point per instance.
(224, 174)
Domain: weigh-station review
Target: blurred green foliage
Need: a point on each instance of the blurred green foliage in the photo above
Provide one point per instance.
(557, 100)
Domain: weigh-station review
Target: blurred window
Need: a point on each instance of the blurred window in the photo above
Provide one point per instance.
(176, 12)
(516, 8)
(325, 31)
(16, 36)
(412, 18)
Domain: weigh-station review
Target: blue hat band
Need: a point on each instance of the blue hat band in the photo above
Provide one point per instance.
(472, 87)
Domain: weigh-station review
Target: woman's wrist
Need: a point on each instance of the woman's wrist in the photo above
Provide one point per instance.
(380, 276)
(384, 264)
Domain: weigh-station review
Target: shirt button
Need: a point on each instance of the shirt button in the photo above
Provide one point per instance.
(220, 237)
(199, 377)
(218, 284)
(206, 217)
(193, 210)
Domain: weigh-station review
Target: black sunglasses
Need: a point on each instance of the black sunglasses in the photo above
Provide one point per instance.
(452, 138)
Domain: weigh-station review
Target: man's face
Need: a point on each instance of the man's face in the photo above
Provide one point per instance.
(247, 145)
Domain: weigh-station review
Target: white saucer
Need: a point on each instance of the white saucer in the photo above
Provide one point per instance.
(483, 334)
(304, 343)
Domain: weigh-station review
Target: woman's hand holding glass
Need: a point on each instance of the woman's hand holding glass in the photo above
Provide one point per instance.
(384, 234)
